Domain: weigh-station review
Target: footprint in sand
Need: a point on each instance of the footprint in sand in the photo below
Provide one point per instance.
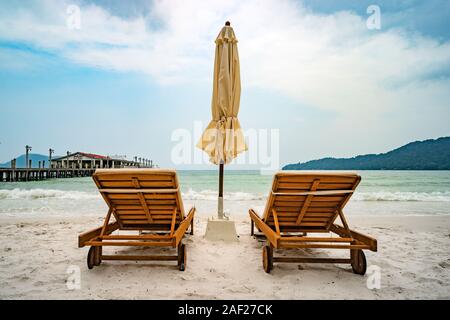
(444, 264)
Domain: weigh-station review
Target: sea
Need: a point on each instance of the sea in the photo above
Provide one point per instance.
(380, 193)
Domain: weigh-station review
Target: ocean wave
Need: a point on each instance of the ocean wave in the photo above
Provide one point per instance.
(32, 194)
(358, 196)
(213, 194)
(36, 194)
(402, 196)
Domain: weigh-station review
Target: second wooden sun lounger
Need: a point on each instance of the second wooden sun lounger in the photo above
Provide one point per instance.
(302, 203)
(140, 200)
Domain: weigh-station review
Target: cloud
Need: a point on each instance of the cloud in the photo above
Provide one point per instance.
(327, 61)
(295, 50)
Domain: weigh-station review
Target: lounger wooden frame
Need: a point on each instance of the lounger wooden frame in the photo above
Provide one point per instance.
(139, 200)
(306, 202)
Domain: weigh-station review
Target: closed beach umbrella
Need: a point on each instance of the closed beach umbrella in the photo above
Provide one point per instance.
(223, 139)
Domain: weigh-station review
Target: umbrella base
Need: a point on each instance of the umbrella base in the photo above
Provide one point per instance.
(221, 230)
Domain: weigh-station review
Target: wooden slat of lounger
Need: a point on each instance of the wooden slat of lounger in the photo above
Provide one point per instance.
(143, 184)
(142, 213)
(135, 201)
(150, 207)
(295, 210)
(155, 217)
(296, 228)
(305, 224)
(322, 246)
(294, 185)
(141, 216)
(132, 196)
(131, 243)
(316, 219)
(134, 191)
(315, 203)
(305, 186)
(123, 175)
(140, 258)
(154, 212)
(292, 214)
(323, 178)
(127, 215)
(313, 223)
(143, 221)
(156, 222)
(148, 226)
(311, 260)
(320, 210)
(310, 214)
(315, 239)
(168, 210)
(298, 200)
(165, 203)
(282, 220)
(293, 192)
(136, 237)
(312, 205)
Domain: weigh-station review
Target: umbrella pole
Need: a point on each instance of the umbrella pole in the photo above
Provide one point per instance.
(220, 207)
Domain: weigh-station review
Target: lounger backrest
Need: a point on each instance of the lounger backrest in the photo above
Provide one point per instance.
(141, 197)
(308, 201)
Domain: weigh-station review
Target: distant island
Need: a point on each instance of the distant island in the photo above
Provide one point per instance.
(419, 155)
(34, 157)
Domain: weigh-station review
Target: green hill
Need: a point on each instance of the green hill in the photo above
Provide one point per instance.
(419, 155)
(21, 161)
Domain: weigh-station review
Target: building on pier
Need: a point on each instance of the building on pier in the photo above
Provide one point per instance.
(83, 160)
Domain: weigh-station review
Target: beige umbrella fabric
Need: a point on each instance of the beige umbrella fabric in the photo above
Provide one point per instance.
(223, 139)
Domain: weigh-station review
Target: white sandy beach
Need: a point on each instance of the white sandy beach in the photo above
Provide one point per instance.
(36, 252)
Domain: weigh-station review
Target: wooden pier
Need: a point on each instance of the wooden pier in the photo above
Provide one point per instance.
(77, 164)
(31, 174)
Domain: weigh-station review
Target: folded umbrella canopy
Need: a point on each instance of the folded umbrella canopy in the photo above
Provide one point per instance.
(223, 139)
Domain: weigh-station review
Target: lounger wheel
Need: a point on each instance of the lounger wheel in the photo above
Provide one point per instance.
(91, 258)
(359, 264)
(267, 258)
(182, 257)
(98, 256)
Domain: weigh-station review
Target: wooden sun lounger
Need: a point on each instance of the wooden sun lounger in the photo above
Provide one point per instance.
(303, 202)
(139, 200)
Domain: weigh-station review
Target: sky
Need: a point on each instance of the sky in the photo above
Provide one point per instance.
(132, 77)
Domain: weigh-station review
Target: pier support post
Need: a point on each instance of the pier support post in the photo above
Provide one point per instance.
(50, 152)
(27, 150)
